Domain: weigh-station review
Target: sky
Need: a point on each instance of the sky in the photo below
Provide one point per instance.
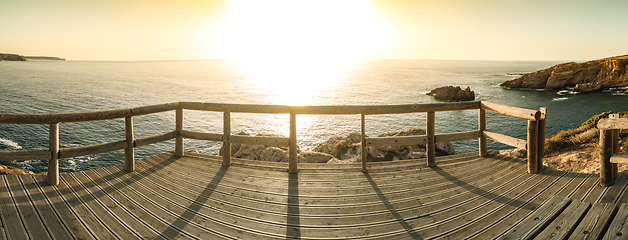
(132, 30)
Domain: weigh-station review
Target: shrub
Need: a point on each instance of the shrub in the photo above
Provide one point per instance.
(592, 122)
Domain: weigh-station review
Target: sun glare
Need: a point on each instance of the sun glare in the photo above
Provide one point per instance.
(296, 49)
(313, 30)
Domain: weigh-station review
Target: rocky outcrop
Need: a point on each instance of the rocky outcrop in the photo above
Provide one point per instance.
(43, 58)
(11, 57)
(451, 93)
(582, 77)
(341, 149)
(8, 170)
(15, 57)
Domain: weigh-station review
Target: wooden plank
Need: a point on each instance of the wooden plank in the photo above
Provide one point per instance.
(619, 227)
(45, 118)
(155, 139)
(614, 192)
(201, 136)
(259, 140)
(539, 219)
(511, 111)
(595, 223)
(582, 191)
(54, 225)
(541, 137)
(395, 141)
(482, 127)
(616, 123)
(21, 155)
(606, 150)
(336, 110)
(91, 149)
(11, 219)
(303, 220)
(129, 151)
(127, 219)
(293, 166)
(460, 136)
(53, 146)
(82, 211)
(226, 139)
(565, 223)
(533, 143)
(511, 207)
(363, 153)
(178, 146)
(508, 140)
(31, 219)
(619, 158)
(430, 146)
(101, 213)
(148, 212)
(61, 208)
(187, 214)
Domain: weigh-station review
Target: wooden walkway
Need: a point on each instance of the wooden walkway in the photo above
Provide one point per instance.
(168, 197)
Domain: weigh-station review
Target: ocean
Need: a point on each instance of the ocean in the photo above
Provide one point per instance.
(77, 86)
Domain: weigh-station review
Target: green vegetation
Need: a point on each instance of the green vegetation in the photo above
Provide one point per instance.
(593, 120)
(586, 133)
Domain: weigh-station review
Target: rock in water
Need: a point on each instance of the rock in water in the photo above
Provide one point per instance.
(582, 77)
(451, 93)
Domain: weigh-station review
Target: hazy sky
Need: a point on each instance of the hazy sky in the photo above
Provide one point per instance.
(219, 29)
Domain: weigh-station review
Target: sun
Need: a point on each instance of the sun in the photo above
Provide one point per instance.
(298, 30)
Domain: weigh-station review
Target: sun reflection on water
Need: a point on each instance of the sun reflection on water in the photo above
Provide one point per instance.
(294, 82)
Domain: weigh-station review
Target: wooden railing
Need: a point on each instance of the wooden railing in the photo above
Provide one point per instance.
(536, 131)
(609, 146)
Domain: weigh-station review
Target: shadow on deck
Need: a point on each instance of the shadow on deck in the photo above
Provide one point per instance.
(465, 196)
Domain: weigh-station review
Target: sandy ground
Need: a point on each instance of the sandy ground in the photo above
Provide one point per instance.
(579, 158)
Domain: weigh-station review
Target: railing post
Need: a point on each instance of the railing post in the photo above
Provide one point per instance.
(615, 142)
(129, 151)
(533, 162)
(606, 150)
(482, 126)
(292, 161)
(178, 149)
(53, 163)
(541, 137)
(430, 147)
(363, 143)
(226, 134)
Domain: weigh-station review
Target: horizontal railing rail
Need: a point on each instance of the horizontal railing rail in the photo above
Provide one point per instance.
(536, 128)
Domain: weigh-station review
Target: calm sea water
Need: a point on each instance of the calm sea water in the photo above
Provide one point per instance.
(71, 86)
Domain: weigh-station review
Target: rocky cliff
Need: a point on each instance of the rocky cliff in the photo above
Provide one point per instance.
(15, 57)
(11, 57)
(584, 77)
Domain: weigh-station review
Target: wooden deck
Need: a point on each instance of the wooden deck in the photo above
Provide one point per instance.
(168, 197)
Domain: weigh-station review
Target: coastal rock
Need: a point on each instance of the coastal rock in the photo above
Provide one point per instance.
(451, 93)
(582, 77)
(258, 152)
(15, 57)
(340, 150)
(407, 152)
(11, 57)
(514, 153)
(341, 147)
(8, 170)
(315, 157)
